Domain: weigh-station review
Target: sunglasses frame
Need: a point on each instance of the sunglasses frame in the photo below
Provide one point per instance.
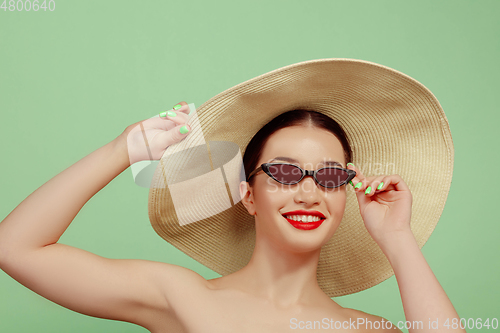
(265, 167)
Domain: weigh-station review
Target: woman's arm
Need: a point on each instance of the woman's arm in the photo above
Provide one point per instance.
(423, 297)
(128, 290)
(44, 215)
(74, 278)
(386, 212)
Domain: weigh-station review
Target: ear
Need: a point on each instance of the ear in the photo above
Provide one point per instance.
(246, 195)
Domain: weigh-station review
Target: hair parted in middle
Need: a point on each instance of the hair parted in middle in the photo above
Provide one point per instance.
(297, 117)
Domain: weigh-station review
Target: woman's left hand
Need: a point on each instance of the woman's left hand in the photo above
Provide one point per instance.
(385, 211)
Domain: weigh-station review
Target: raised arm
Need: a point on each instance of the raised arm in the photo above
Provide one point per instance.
(120, 289)
(386, 212)
(424, 300)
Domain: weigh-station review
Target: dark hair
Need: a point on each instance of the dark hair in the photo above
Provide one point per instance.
(299, 117)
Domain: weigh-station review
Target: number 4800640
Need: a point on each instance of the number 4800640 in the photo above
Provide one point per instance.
(27, 5)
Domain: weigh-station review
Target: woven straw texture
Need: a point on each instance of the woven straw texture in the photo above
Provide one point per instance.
(395, 126)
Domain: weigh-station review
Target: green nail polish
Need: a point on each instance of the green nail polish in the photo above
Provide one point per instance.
(163, 114)
(368, 190)
(380, 186)
(183, 130)
(350, 182)
(358, 185)
(177, 107)
(350, 164)
(171, 113)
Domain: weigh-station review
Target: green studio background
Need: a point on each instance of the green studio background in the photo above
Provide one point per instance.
(72, 79)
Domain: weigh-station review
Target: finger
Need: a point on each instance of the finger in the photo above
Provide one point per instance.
(182, 107)
(150, 123)
(374, 185)
(158, 122)
(359, 189)
(178, 117)
(358, 178)
(388, 183)
(361, 185)
(175, 135)
(395, 182)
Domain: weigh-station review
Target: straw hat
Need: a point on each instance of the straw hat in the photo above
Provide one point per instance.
(394, 124)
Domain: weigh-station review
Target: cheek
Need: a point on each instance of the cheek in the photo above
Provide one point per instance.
(336, 204)
(269, 201)
(270, 198)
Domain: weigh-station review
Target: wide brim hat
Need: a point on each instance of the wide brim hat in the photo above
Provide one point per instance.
(394, 124)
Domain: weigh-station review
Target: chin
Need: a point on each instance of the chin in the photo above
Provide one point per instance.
(303, 246)
(305, 241)
(291, 239)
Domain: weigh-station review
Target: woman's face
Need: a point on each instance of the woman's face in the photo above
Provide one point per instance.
(269, 200)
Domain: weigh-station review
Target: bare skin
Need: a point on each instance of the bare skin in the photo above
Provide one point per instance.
(277, 286)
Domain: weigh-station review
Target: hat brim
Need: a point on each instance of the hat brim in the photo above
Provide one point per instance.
(395, 126)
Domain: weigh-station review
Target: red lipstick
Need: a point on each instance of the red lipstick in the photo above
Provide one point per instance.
(305, 225)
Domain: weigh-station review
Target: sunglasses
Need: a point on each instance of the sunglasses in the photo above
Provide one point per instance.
(289, 174)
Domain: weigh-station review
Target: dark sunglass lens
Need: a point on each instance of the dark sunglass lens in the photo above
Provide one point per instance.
(285, 173)
(331, 177)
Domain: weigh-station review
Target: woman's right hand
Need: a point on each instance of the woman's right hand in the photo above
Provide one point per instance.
(148, 139)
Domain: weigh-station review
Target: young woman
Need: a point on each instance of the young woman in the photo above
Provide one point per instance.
(277, 291)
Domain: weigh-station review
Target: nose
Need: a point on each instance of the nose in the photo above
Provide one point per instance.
(307, 191)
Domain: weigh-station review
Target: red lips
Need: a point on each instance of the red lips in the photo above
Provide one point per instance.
(305, 225)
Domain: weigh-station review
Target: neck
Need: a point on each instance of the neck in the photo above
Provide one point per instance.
(282, 276)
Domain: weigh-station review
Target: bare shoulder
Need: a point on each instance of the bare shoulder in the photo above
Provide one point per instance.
(371, 323)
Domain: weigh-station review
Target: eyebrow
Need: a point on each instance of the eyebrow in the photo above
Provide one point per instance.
(292, 160)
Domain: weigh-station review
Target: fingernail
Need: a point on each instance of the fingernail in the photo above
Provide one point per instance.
(380, 186)
(368, 190)
(163, 114)
(350, 164)
(177, 107)
(171, 113)
(350, 182)
(183, 129)
(358, 185)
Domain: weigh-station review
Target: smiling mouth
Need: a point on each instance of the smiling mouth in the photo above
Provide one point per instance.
(304, 222)
(303, 218)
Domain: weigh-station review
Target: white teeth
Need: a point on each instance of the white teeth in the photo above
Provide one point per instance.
(303, 218)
